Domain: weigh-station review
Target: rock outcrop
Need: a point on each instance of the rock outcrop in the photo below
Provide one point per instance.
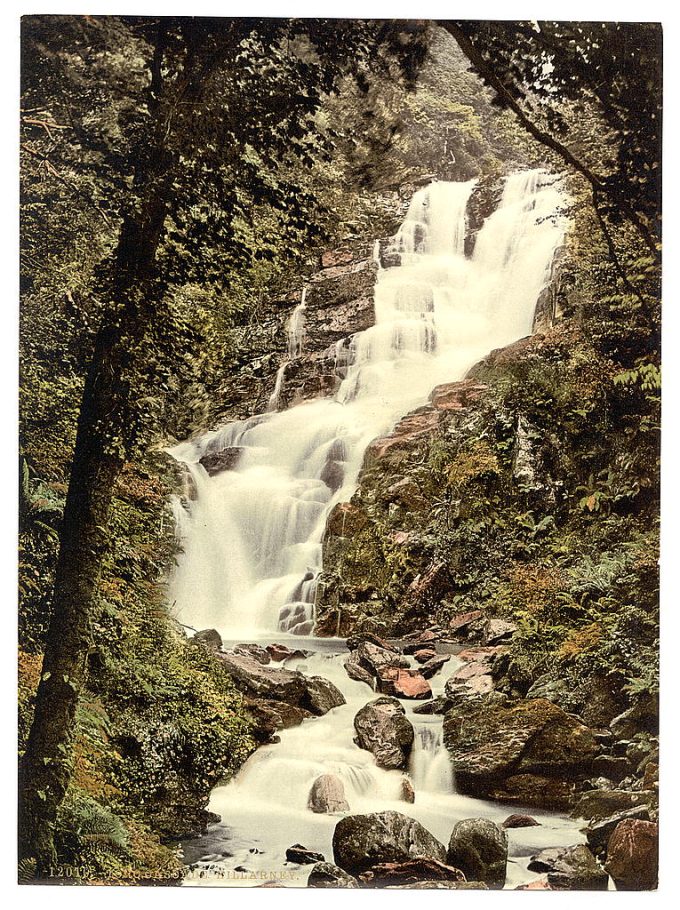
(528, 752)
(633, 855)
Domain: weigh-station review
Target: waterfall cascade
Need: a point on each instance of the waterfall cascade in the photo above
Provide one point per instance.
(252, 536)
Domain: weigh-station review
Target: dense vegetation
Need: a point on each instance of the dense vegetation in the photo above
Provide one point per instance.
(176, 176)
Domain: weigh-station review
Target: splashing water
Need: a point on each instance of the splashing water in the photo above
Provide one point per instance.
(252, 534)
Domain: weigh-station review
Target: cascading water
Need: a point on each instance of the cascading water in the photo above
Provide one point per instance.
(252, 536)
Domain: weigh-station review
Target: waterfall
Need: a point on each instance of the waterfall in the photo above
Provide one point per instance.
(252, 537)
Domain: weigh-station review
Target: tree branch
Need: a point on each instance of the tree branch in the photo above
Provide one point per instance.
(489, 76)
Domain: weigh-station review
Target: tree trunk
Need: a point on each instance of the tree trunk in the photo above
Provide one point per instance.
(105, 433)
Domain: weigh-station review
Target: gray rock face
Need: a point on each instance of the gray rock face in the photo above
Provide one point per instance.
(309, 693)
(326, 875)
(327, 795)
(479, 848)
(383, 729)
(211, 638)
(363, 841)
(570, 869)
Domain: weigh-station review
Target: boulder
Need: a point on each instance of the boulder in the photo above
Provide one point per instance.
(460, 623)
(598, 832)
(423, 655)
(403, 683)
(633, 855)
(310, 693)
(479, 848)
(302, 856)
(322, 695)
(255, 651)
(570, 869)
(431, 667)
(613, 767)
(375, 658)
(271, 716)
(501, 748)
(211, 638)
(520, 821)
(279, 652)
(438, 705)
(224, 460)
(600, 804)
(363, 841)
(327, 795)
(359, 673)
(383, 729)
(326, 875)
(383, 875)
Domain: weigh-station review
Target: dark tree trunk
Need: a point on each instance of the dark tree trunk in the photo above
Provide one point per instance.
(105, 434)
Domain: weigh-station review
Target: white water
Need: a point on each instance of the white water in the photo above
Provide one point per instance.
(252, 536)
(264, 809)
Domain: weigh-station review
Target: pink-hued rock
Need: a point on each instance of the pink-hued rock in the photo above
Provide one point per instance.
(633, 855)
(333, 258)
(403, 683)
(455, 396)
(460, 623)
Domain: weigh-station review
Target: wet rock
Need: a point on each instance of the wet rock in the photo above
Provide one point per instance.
(633, 855)
(302, 856)
(600, 804)
(570, 869)
(423, 655)
(383, 729)
(346, 520)
(410, 872)
(434, 665)
(211, 638)
(479, 848)
(359, 673)
(224, 460)
(598, 832)
(408, 794)
(403, 683)
(255, 651)
(322, 695)
(310, 693)
(497, 748)
(327, 795)
(272, 716)
(280, 653)
(353, 641)
(540, 884)
(333, 258)
(425, 641)
(363, 841)
(375, 659)
(520, 821)
(438, 705)
(326, 875)
(456, 396)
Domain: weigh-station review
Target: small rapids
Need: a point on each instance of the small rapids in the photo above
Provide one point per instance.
(264, 808)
